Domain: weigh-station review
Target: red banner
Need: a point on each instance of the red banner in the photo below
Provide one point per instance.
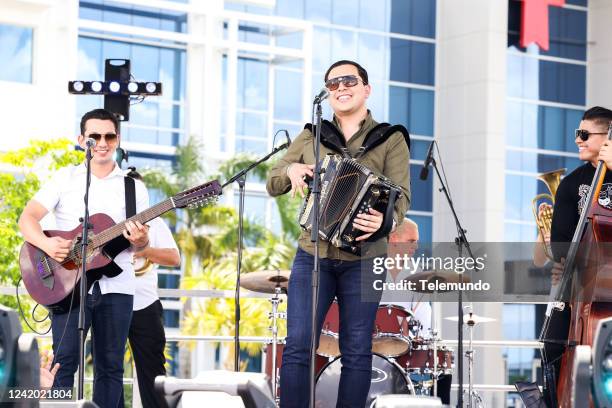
(534, 22)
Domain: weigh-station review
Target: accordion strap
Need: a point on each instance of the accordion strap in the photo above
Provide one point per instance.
(333, 139)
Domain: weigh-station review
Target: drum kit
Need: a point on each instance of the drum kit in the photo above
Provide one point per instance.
(406, 360)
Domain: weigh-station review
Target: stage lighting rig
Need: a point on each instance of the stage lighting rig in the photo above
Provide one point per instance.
(118, 88)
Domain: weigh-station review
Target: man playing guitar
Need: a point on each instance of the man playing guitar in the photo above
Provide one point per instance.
(108, 308)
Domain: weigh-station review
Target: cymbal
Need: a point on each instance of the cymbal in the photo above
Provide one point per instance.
(435, 277)
(265, 281)
(471, 319)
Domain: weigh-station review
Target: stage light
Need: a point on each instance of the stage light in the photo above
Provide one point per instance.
(132, 87)
(114, 87)
(78, 86)
(96, 86)
(151, 87)
(602, 363)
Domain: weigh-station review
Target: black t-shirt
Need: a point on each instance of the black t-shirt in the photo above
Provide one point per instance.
(569, 200)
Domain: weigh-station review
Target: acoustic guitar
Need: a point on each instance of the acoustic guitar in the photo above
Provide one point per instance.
(51, 283)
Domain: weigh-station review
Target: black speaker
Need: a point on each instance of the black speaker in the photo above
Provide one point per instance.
(119, 104)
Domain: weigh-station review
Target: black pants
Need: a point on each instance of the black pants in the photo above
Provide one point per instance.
(147, 341)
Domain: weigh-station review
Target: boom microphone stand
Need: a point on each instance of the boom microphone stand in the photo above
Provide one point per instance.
(83, 283)
(461, 242)
(240, 177)
(314, 237)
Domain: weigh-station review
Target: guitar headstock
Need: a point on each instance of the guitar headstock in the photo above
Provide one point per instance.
(198, 196)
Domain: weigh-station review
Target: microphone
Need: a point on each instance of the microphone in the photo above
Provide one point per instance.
(89, 142)
(425, 170)
(323, 93)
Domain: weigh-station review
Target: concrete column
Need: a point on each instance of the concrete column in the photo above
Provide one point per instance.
(599, 54)
(470, 129)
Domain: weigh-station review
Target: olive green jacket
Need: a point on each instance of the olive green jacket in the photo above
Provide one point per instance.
(390, 159)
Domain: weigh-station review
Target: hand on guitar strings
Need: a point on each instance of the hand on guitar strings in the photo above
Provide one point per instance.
(296, 173)
(137, 234)
(369, 223)
(57, 248)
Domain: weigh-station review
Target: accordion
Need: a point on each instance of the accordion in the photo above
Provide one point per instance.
(347, 189)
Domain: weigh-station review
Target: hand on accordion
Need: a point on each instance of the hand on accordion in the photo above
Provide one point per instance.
(369, 223)
(296, 173)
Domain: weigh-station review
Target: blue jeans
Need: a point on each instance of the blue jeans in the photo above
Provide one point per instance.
(343, 280)
(109, 317)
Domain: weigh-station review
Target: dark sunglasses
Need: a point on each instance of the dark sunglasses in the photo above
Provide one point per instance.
(109, 137)
(348, 80)
(584, 134)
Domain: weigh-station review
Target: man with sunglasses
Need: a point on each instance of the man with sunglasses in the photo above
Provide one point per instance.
(592, 143)
(340, 272)
(108, 308)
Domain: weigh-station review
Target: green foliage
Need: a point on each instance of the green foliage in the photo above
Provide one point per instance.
(16, 189)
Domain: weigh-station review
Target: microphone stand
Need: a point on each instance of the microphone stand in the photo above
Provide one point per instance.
(461, 242)
(83, 282)
(240, 177)
(314, 237)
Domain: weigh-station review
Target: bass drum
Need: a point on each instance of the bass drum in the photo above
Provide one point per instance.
(387, 378)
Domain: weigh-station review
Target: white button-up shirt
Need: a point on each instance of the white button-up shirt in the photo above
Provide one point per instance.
(63, 197)
(160, 236)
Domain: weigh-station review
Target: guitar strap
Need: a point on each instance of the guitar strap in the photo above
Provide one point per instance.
(130, 197)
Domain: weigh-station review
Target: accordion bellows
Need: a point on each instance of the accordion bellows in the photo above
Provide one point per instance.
(347, 189)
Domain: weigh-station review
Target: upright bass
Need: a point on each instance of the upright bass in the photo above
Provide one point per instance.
(583, 298)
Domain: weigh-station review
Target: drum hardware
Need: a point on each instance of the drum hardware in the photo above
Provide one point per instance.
(275, 315)
(266, 281)
(470, 319)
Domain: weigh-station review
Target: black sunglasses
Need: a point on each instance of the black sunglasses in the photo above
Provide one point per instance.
(348, 80)
(109, 137)
(584, 134)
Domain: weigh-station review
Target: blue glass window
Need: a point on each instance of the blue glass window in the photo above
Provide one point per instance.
(539, 163)
(532, 78)
(421, 190)
(373, 14)
(252, 124)
(318, 11)
(568, 31)
(145, 17)
(412, 108)
(171, 318)
(412, 61)
(290, 8)
(373, 50)
(288, 99)
(418, 149)
(321, 56)
(563, 83)
(345, 12)
(15, 53)
(252, 84)
(344, 46)
(542, 127)
(413, 17)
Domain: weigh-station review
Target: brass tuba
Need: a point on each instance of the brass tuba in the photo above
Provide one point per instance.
(552, 179)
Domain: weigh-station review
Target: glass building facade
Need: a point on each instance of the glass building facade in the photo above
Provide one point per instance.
(546, 97)
(16, 53)
(394, 39)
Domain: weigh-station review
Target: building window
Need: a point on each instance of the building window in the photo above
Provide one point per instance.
(16, 53)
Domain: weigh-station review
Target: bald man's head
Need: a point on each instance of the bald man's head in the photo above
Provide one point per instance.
(404, 240)
(408, 231)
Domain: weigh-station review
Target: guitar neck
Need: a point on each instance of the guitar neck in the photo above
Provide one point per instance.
(147, 215)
